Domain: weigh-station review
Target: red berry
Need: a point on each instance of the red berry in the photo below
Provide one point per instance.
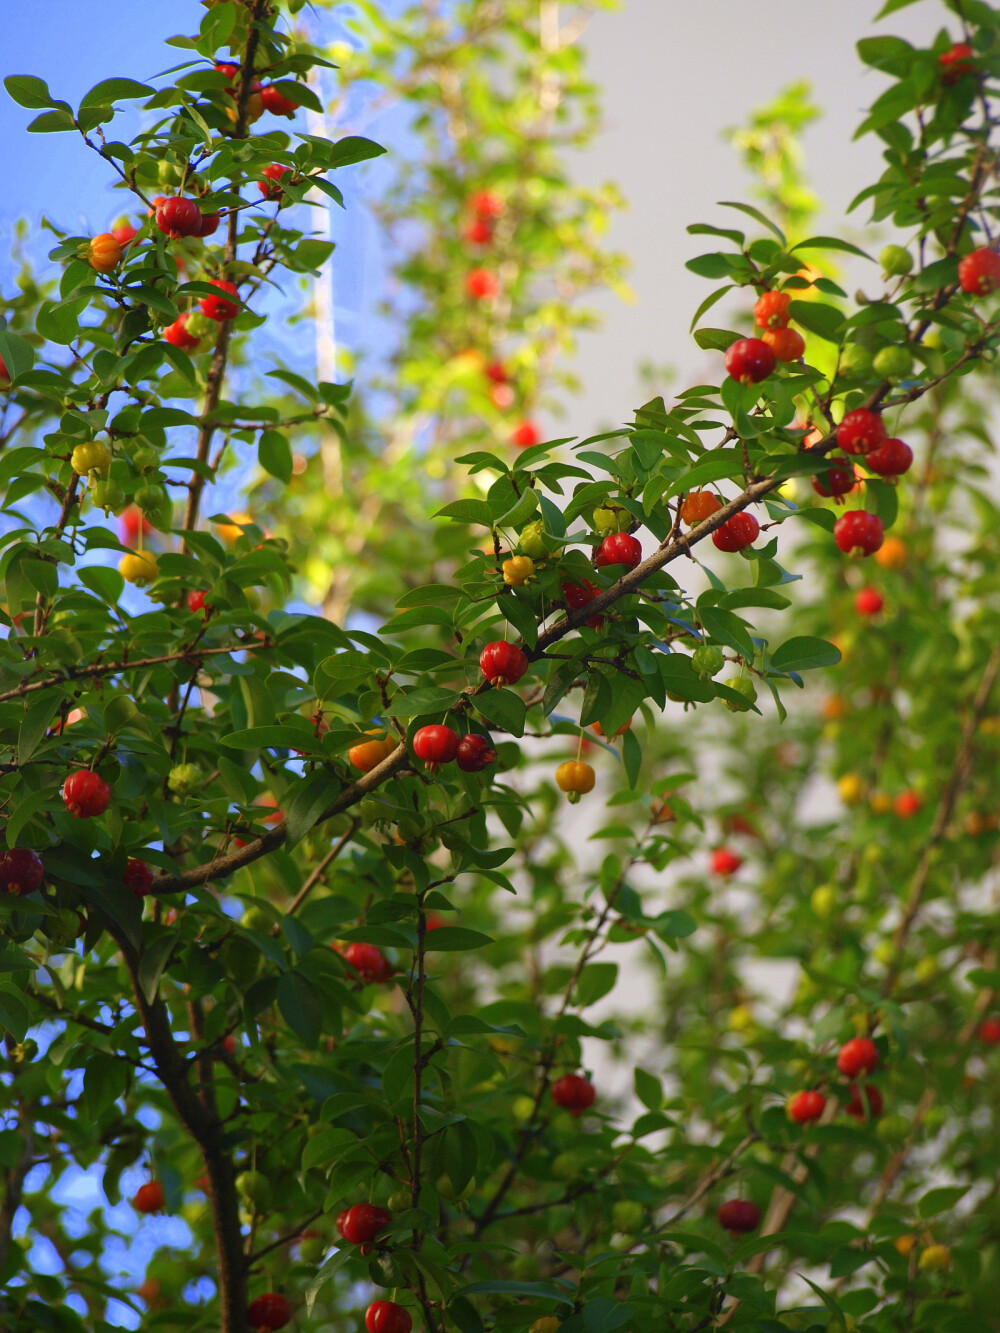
(806, 1106)
(4, 372)
(435, 745)
(861, 431)
(866, 1102)
(525, 435)
(124, 232)
(698, 506)
(475, 753)
(177, 217)
(369, 962)
(196, 602)
(771, 310)
(868, 602)
(502, 396)
(890, 459)
(618, 548)
(270, 187)
(503, 663)
(217, 307)
(496, 371)
(209, 224)
(387, 1317)
(138, 877)
(725, 862)
(957, 61)
(85, 794)
(907, 804)
(228, 67)
(132, 519)
(857, 532)
(786, 344)
(268, 1312)
(363, 1222)
(738, 1216)
(486, 204)
(149, 1198)
(739, 531)
(481, 284)
(21, 871)
(750, 360)
(857, 1056)
(989, 1031)
(979, 272)
(836, 481)
(577, 595)
(573, 1093)
(478, 232)
(177, 335)
(276, 102)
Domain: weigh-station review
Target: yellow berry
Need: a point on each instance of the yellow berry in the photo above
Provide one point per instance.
(518, 570)
(823, 900)
(138, 567)
(935, 1259)
(94, 456)
(850, 788)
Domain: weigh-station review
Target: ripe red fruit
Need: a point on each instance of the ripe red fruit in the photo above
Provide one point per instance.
(496, 371)
(698, 506)
(525, 435)
(475, 753)
(866, 1102)
(228, 67)
(486, 204)
(21, 871)
(573, 1093)
(138, 877)
(771, 310)
(738, 1216)
(209, 224)
(276, 102)
(217, 307)
(177, 217)
(907, 804)
(369, 962)
(482, 284)
(478, 232)
(857, 1056)
(270, 187)
(503, 663)
(739, 531)
(836, 481)
(989, 1031)
(268, 1312)
(85, 794)
(619, 548)
(861, 431)
(957, 61)
(581, 594)
(124, 232)
(890, 459)
(177, 335)
(858, 533)
(750, 360)
(387, 1317)
(868, 602)
(4, 372)
(725, 862)
(149, 1198)
(196, 602)
(806, 1106)
(132, 519)
(363, 1222)
(435, 745)
(979, 272)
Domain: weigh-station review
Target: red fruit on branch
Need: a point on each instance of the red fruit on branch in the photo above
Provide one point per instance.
(475, 753)
(177, 335)
(806, 1106)
(989, 1031)
(228, 67)
(21, 871)
(104, 253)
(276, 102)
(866, 1102)
(270, 186)
(956, 62)
(786, 344)
(573, 1093)
(362, 1223)
(750, 360)
(387, 1317)
(979, 272)
(698, 506)
(124, 232)
(149, 1198)
(890, 459)
(738, 1216)
(482, 284)
(771, 310)
(525, 435)
(907, 804)
(861, 431)
(836, 481)
(858, 533)
(486, 204)
(268, 1312)
(435, 745)
(725, 862)
(196, 602)
(178, 217)
(868, 602)
(217, 307)
(619, 548)
(577, 595)
(138, 877)
(737, 532)
(132, 520)
(368, 961)
(503, 663)
(209, 224)
(85, 794)
(478, 232)
(857, 1056)
(496, 371)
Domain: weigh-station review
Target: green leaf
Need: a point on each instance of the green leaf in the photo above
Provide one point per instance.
(18, 354)
(830, 243)
(648, 1089)
(345, 152)
(29, 92)
(109, 91)
(758, 215)
(301, 1005)
(716, 340)
(309, 801)
(34, 725)
(804, 653)
(454, 939)
(815, 317)
(274, 454)
(52, 122)
(727, 628)
(540, 1291)
(154, 961)
(595, 981)
(940, 1200)
(503, 708)
(14, 1014)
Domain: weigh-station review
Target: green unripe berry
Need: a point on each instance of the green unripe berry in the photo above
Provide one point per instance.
(823, 900)
(523, 1108)
(627, 1215)
(168, 174)
(892, 1129)
(255, 1188)
(532, 540)
(107, 495)
(896, 261)
(145, 457)
(742, 685)
(707, 661)
(184, 779)
(399, 1200)
(605, 519)
(926, 969)
(893, 363)
(312, 1249)
(257, 918)
(198, 324)
(152, 499)
(566, 1166)
(856, 362)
